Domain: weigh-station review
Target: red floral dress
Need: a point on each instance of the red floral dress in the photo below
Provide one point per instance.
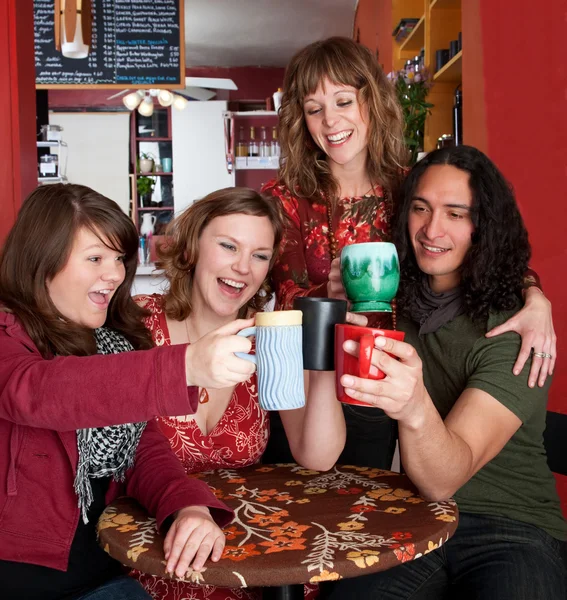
(303, 266)
(237, 440)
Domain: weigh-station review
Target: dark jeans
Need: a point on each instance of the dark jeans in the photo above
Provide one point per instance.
(371, 439)
(488, 558)
(119, 588)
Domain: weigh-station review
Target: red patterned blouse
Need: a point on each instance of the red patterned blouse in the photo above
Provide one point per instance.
(237, 440)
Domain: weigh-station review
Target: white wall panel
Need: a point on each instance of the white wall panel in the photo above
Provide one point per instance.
(97, 149)
(198, 152)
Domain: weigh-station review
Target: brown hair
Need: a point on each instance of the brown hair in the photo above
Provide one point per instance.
(343, 62)
(180, 254)
(38, 247)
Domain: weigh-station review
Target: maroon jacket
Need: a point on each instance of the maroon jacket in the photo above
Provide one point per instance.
(43, 402)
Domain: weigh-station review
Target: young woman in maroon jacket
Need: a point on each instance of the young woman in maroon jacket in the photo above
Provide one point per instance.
(78, 381)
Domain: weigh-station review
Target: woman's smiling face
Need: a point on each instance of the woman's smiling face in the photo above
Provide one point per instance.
(234, 258)
(82, 290)
(337, 122)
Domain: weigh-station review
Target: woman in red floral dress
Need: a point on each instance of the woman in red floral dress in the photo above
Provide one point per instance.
(343, 159)
(217, 262)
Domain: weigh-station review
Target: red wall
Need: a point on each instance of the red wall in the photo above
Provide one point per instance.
(523, 128)
(18, 152)
(373, 28)
(525, 80)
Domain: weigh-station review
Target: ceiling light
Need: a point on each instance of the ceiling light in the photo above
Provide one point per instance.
(132, 100)
(73, 28)
(165, 98)
(146, 108)
(179, 102)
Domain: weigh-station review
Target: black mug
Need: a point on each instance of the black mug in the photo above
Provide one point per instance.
(320, 315)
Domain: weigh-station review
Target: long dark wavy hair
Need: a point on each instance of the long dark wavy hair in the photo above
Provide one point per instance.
(493, 268)
(38, 247)
(180, 254)
(341, 60)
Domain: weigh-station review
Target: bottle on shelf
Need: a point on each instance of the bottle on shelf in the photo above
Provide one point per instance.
(274, 145)
(242, 146)
(278, 99)
(264, 145)
(253, 144)
(417, 64)
(458, 117)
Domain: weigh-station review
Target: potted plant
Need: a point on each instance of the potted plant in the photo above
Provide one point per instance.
(145, 187)
(146, 162)
(412, 89)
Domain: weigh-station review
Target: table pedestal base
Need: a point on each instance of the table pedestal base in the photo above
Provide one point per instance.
(284, 592)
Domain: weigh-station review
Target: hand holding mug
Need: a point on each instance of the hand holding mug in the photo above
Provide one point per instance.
(335, 288)
(400, 392)
(211, 361)
(354, 347)
(279, 358)
(370, 273)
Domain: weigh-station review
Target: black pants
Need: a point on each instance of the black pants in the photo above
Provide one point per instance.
(371, 439)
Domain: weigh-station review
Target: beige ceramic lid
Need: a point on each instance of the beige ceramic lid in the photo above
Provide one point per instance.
(279, 317)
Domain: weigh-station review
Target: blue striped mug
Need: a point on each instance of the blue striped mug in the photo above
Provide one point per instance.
(279, 359)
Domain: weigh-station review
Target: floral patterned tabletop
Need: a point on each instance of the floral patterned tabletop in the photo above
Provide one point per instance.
(294, 525)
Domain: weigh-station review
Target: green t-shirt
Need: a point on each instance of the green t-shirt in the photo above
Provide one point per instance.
(516, 483)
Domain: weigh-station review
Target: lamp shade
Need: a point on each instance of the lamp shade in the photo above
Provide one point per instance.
(73, 27)
(131, 101)
(146, 108)
(179, 102)
(165, 98)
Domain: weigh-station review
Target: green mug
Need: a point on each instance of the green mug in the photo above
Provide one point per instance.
(370, 273)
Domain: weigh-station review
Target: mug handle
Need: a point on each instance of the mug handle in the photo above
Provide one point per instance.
(365, 355)
(245, 333)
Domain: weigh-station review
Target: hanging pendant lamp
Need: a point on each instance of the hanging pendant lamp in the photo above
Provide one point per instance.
(73, 27)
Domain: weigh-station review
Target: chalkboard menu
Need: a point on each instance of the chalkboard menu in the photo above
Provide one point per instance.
(135, 43)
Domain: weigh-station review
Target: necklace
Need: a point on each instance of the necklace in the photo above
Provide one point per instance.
(203, 394)
(333, 243)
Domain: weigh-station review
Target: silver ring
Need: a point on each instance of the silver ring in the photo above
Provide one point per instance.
(542, 355)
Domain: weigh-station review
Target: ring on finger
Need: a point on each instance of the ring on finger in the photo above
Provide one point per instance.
(542, 355)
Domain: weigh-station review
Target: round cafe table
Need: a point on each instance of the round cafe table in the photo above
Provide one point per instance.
(294, 525)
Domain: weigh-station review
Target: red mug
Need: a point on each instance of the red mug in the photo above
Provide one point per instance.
(346, 364)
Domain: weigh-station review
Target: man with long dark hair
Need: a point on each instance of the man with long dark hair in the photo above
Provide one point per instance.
(468, 426)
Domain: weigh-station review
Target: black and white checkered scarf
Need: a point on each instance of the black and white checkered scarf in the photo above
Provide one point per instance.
(105, 451)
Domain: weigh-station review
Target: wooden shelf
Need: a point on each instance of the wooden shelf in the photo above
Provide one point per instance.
(153, 139)
(156, 174)
(415, 40)
(440, 25)
(250, 113)
(47, 179)
(150, 208)
(448, 4)
(451, 72)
